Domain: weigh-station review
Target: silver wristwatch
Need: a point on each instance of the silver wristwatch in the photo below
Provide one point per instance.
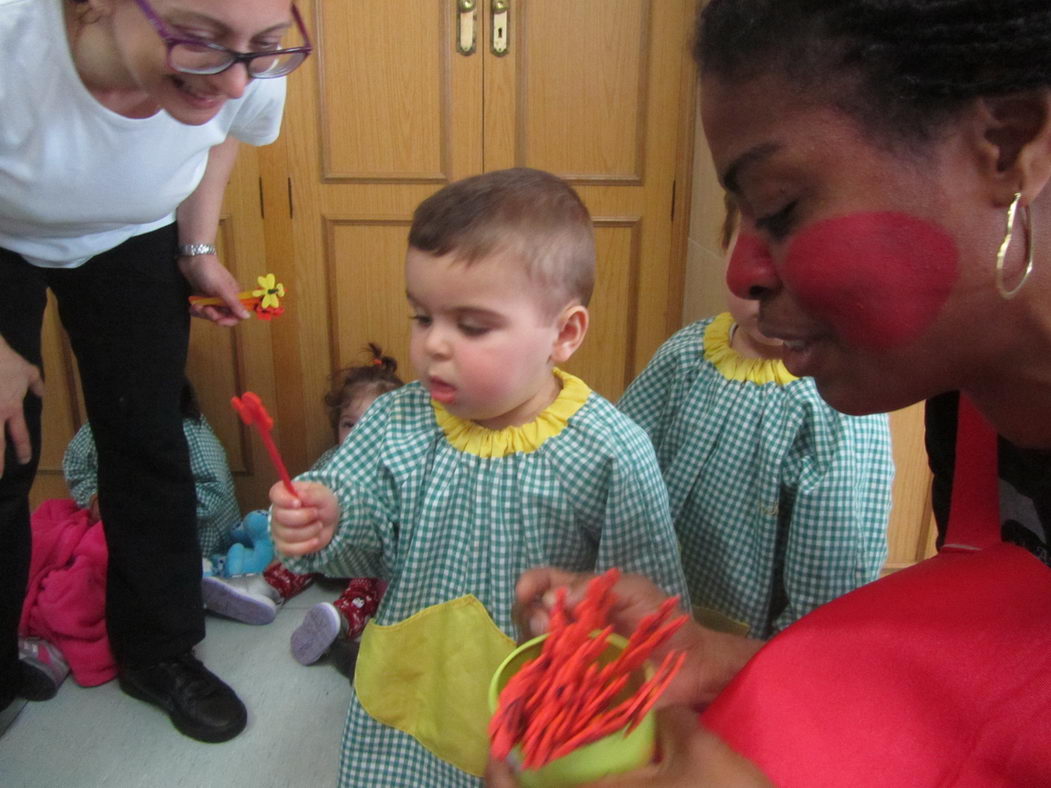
(191, 250)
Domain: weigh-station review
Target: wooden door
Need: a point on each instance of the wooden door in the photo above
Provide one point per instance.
(911, 533)
(222, 362)
(397, 104)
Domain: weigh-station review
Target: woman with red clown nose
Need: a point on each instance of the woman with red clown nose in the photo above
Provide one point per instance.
(892, 162)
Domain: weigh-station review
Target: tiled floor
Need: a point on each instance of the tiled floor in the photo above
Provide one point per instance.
(102, 737)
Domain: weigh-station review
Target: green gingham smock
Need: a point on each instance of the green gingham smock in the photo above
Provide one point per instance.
(781, 503)
(440, 522)
(217, 510)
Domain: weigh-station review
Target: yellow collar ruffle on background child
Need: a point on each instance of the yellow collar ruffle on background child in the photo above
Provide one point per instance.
(475, 439)
(732, 365)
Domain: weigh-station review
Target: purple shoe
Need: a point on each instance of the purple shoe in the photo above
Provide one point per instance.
(245, 598)
(312, 639)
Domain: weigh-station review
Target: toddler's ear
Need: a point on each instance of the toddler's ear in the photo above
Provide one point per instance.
(572, 326)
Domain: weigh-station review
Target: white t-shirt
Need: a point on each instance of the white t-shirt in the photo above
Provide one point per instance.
(77, 179)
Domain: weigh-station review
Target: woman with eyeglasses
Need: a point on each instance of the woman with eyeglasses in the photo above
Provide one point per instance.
(119, 128)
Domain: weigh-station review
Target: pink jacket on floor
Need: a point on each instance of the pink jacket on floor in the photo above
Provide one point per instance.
(66, 597)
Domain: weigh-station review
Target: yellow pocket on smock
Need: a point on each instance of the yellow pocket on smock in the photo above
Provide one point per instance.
(429, 677)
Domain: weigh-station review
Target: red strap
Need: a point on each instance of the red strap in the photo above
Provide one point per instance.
(974, 514)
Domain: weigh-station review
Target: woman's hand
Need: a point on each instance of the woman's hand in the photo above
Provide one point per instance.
(690, 755)
(305, 524)
(17, 377)
(198, 220)
(208, 277)
(712, 658)
(636, 596)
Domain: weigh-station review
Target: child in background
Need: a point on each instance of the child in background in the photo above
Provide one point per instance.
(493, 461)
(345, 618)
(781, 503)
(254, 598)
(217, 510)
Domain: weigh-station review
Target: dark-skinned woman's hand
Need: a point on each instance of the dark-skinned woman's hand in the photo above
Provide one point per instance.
(690, 756)
(712, 658)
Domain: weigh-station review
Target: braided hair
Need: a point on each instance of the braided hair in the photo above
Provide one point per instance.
(378, 375)
(902, 68)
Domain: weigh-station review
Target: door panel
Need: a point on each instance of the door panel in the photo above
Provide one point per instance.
(604, 360)
(389, 77)
(600, 92)
(583, 114)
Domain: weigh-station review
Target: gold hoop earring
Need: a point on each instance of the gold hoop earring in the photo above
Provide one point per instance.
(1027, 225)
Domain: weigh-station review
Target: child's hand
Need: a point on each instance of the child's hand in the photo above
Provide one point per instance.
(305, 524)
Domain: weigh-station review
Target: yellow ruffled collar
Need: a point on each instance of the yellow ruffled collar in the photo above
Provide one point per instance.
(732, 365)
(475, 439)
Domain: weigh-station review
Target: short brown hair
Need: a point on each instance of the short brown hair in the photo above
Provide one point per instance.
(530, 213)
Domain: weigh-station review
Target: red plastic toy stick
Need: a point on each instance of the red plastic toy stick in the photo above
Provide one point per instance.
(566, 697)
(250, 408)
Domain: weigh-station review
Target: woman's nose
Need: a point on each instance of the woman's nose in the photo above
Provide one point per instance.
(233, 81)
(751, 272)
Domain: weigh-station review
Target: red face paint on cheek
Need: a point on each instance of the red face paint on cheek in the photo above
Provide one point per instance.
(750, 266)
(879, 279)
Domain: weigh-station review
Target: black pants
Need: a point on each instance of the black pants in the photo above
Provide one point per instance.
(126, 315)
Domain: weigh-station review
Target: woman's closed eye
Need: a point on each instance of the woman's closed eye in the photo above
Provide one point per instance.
(262, 44)
(777, 225)
(266, 45)
(204, 36)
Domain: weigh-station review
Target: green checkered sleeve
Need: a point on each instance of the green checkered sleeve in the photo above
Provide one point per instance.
(356, 473)
(780, 502)
(217, 509)
(839, 510)
(651, 399)
(625, 501)
(80, 467)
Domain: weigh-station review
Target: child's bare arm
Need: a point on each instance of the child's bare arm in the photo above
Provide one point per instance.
(305, 524)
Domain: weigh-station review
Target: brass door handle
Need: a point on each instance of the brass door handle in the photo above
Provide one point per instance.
(466, 17)
(501, 19)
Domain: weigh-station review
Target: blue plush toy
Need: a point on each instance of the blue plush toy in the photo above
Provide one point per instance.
(252, 550)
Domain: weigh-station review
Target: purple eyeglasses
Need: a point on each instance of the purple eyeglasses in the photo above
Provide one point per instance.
(193, 56)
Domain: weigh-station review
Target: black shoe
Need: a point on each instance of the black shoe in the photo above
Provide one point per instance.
(344, 656)
(35, 684)
(198, 703)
